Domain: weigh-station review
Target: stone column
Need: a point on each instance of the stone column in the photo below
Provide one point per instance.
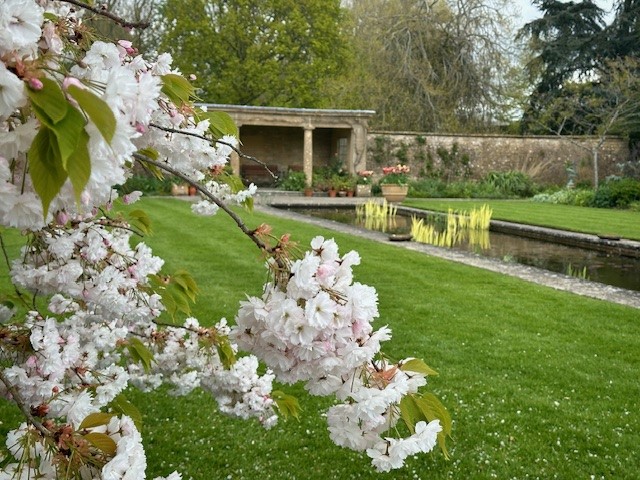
(307, 158)
(358, 148)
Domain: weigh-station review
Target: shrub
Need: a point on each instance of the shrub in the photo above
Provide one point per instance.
(147, 184)
(511, 183)
(567, 196)
(617, 193)
(293, 181)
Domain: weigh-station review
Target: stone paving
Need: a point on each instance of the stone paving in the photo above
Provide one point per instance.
(269, 200)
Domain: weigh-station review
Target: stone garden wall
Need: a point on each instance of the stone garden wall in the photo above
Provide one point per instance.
(545, 158)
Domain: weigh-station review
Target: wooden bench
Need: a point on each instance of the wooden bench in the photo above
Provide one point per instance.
(254, 173)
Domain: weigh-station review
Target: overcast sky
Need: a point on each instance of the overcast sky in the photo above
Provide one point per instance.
(529, 12)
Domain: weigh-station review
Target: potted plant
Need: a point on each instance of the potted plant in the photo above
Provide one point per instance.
(395, 182)
(350, 185)
(363, 183)
(293, 181)
(335, 184)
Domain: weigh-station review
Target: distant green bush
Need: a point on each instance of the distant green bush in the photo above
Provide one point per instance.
(577, 196)
(617, 193)
(495, 185)
(614, 193)
(293, 181)
(147, 184)
(512, 183)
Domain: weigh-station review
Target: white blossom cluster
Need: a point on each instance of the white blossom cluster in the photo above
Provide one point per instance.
(129, 84)
(77, 362)
(99, 285)
(182, 359)
(100, 330)
(315, 326)
(129, 461)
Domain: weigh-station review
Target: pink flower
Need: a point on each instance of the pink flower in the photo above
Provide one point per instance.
(35, 83)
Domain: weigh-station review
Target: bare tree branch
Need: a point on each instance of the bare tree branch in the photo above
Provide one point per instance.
(105, 13)
(22, 405)
(223, 206)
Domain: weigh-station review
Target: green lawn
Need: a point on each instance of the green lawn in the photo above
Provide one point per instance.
(540, 383)
(624, 223)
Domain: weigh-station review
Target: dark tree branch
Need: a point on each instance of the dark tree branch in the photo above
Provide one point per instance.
(223, 206)
(22, 405)
(105, 13)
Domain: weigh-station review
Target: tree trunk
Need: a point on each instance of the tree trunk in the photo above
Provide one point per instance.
(595, 168)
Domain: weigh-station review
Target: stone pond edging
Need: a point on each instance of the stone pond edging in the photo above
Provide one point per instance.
(539, 276)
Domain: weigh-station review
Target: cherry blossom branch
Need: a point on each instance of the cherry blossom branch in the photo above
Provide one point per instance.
(105, 13)
(223, 206)
(19, 401)
(3, 247)
(221, 142)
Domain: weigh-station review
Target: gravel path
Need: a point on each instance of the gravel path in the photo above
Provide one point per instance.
(531, 274)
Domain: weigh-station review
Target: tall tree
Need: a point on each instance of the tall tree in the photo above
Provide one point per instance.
(577, 65)
(623, 34)
(607, 106)
(258, 52)
(566, 40)
(437, 65)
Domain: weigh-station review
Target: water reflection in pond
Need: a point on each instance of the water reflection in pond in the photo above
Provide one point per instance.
(610, 269)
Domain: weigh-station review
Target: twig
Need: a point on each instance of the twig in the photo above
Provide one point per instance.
(202, 137)
(105, 13)
(3, 247)
(223, 206)
(20, 402)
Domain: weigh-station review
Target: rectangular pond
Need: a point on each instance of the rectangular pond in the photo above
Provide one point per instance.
(597, 266)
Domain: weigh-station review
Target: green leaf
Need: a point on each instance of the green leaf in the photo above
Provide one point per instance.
(45, 166)
(68, 132)
(287, 404)
(169, 303)
(102, 442)
(140, 220)
(150, 153)
(417, 365)
(225, 352)
(234, 181)
(42, 116)
(140, 353)
(177, 88)
(123, 406)
(432, 409)
(186, 282)
(180, 299)
(50, 100)
(79, 165)
(95, 420)
(97, 110)
(220, 124)
(410, 412)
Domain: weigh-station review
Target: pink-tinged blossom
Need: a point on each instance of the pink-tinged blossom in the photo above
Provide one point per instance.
(51, 41)
(132, 197)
